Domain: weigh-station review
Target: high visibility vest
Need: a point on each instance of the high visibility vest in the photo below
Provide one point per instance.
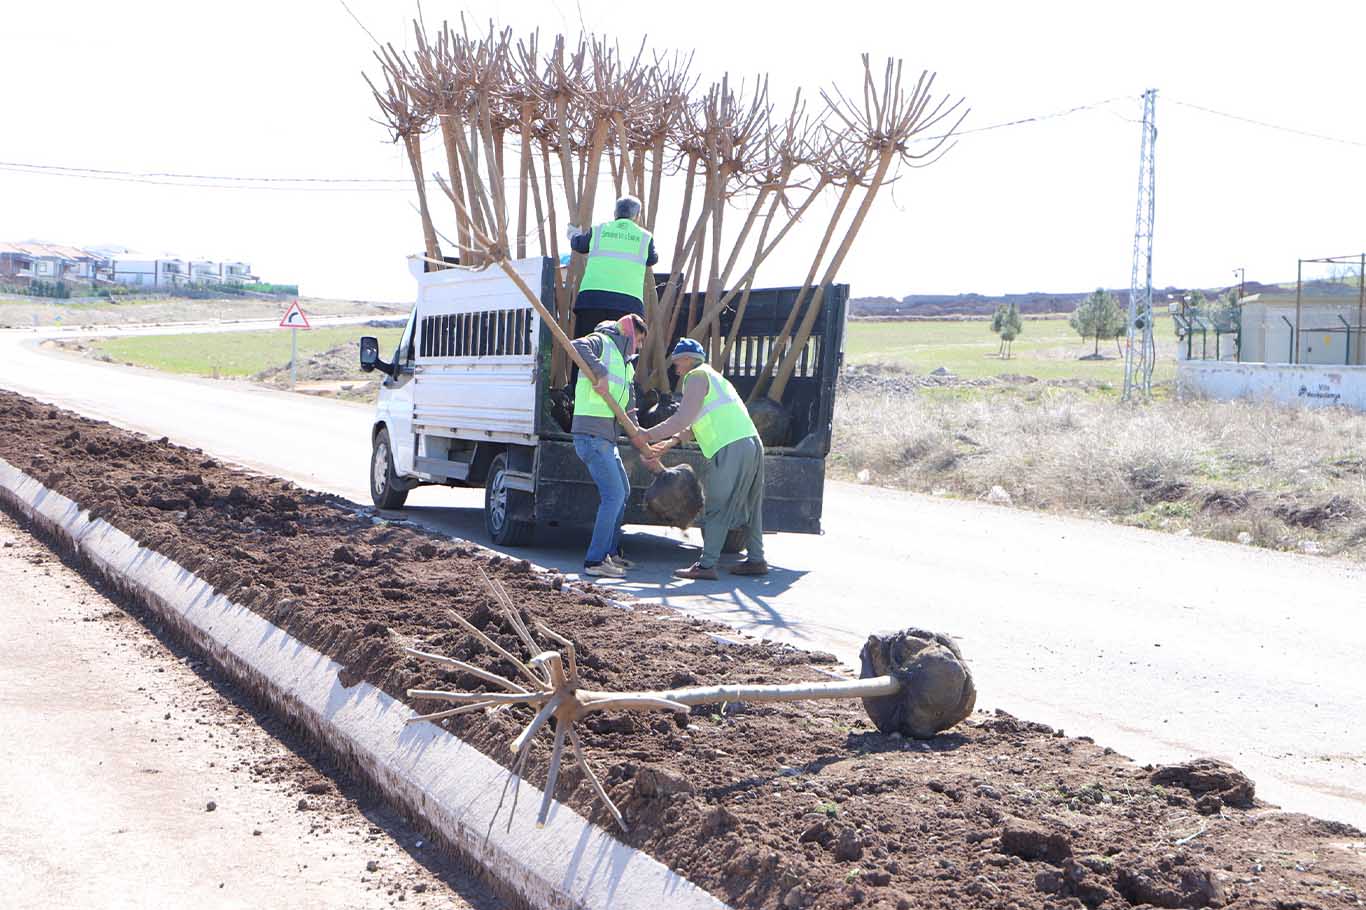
(723, 418)
(620, 375)
(616, 259)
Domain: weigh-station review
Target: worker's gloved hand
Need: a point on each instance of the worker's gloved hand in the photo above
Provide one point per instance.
(571, 231)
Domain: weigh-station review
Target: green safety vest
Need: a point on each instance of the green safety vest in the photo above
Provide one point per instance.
(723, 418)
(620, 375)
(616, 259)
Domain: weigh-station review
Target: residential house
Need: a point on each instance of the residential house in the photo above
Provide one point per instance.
(144, 270)
(34, 260)
(238, 273)
(204, 271)
(16, 264)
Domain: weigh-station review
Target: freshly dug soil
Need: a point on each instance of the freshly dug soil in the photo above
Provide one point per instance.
(793, 805)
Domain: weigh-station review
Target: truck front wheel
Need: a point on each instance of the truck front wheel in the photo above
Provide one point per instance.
(502, 505)
(383, 481)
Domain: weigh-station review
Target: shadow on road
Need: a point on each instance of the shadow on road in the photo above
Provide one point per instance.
(656, 553)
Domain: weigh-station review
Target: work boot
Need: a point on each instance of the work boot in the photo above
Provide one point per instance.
(697, 572)
(750, 567)
(604, 569)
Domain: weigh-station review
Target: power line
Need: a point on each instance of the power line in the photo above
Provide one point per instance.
(1270, 126)
(1040, 118)
(401, 184)
(220, 177)
(353, 184)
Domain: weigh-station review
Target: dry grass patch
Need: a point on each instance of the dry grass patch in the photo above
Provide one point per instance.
(1275, 477)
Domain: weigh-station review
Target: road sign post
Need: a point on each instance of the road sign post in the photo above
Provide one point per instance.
(294, 320)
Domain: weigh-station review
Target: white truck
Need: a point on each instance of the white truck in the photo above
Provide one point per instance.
(466, 401)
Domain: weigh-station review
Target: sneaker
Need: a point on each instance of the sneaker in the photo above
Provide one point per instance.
(621, 561)
(698, 572)
(604, 569)
(750, 567)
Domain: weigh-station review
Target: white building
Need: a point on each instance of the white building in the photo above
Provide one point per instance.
(204, 271)
(1329, 334)
(238, 273)
(144, 270)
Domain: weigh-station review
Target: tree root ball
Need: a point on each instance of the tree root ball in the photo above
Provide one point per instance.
(675, 496)
(772, 420)
(937, 690)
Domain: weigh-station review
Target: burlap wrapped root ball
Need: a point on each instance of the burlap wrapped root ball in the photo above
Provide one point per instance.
(675, 496)
(772, 420)
(937, 690)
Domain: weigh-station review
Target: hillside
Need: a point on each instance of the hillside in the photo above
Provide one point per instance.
(1030, 303)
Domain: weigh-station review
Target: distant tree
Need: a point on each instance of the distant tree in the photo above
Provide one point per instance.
(1098, 316)
(1225, 312)
(998, 322)
(1196, 303)
(1006, 322)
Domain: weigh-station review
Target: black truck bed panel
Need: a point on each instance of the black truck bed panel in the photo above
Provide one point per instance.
(565, 493)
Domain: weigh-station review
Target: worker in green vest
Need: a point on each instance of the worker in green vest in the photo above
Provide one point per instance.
(607, 352)
(733, 474)
(620, 252)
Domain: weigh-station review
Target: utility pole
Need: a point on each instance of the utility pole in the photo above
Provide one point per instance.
(1140, 354)
(1241, 273)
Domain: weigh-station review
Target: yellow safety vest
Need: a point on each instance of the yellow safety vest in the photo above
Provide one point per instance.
(616, 259)
(620, 375)
(723, 418)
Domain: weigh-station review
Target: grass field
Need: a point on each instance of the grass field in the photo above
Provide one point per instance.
(233, 353)
(1047, 349)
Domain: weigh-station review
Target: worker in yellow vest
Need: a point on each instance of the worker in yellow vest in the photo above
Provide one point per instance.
(620, 253)
(607, 351)
(733, 474)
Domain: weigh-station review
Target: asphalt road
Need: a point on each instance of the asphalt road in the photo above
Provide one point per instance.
(1162, 647)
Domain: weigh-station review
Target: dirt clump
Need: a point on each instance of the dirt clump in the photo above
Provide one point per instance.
(1317, 515)
(1215, 784)
(777, 805)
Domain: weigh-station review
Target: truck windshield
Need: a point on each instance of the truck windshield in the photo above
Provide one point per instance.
(404, 352)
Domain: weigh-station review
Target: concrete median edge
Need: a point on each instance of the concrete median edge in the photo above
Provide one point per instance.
(447, 784)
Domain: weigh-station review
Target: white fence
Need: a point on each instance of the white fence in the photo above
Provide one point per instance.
(1308, 385)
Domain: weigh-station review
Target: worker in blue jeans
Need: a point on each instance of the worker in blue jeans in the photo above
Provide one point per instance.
(607, 351)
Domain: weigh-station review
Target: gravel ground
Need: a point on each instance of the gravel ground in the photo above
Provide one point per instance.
(130, 777)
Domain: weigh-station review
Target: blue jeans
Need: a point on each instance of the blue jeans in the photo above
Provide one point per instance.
(604, 465)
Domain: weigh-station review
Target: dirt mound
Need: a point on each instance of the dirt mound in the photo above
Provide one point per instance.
(1317, 515)
(767, 806)
(1215, 784)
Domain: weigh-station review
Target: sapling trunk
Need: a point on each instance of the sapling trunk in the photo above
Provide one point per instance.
(789, 364)
(412, 142)
(526, 178)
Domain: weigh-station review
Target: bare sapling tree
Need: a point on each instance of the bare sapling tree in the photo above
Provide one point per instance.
(880, 133)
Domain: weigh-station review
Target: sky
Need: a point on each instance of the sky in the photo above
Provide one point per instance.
(271, 89)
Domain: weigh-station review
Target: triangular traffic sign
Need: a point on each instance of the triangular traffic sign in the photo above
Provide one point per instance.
(294, 318)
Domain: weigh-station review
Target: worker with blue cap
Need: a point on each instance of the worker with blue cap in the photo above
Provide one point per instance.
(714, 414)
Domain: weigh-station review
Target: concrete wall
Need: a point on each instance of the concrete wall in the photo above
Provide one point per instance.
(1304, 384)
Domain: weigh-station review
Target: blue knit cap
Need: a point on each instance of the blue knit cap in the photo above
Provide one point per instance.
(688, 346)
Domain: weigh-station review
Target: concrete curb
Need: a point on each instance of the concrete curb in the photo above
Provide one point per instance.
(449, 785)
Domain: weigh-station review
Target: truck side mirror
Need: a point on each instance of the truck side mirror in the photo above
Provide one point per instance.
(369, 355)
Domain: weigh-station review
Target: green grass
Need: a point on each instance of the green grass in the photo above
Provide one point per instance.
(234, 353)
(1047, 349)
